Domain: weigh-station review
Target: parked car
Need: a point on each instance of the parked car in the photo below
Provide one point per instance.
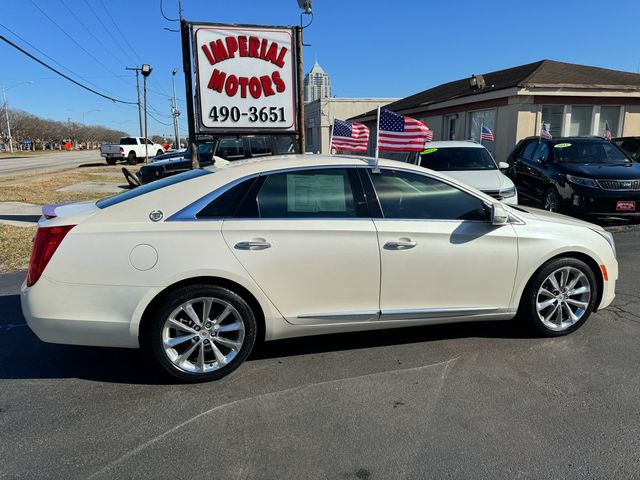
(310, 244)
(631, 146)
(470, 163)
(131, 149)
(227, 148)
(577, 175)
(169, 154)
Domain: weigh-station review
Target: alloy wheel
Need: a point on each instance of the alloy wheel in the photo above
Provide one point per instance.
(563, 298)
(203, 334)
(551, 202)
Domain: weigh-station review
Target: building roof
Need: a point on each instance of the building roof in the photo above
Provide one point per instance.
(317, 69)
(541, 74)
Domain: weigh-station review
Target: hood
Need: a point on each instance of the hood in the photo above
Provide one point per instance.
(537, 214)
(619, 171)
(484, 180)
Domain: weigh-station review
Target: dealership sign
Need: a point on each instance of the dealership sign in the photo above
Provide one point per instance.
(245, 78)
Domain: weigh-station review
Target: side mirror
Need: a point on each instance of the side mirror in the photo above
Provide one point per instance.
(542, 161)
(499, 215)
(503, 165)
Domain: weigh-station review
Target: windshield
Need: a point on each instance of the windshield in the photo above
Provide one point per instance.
(587, 151)
(457, 158)
(150, 187)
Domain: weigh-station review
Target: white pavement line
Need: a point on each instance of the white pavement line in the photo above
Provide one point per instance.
(165, 434)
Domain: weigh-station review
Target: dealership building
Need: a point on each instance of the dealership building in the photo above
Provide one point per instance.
(513, 103)
(319, 115)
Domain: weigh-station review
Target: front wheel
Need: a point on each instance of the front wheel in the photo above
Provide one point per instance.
(560, 297)
(201, 333)
(159, 152)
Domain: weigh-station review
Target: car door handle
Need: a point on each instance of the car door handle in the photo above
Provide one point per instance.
(254, 245)
(400, 245)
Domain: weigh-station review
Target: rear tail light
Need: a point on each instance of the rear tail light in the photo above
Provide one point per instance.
(45, 243)
(121, 150)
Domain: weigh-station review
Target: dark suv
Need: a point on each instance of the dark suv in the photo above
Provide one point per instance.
(579, 175)
(631, 146)
(228, 148)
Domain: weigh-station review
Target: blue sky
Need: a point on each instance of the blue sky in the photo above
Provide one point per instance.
(377, 48)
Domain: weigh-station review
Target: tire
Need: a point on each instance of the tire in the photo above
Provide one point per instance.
(131, 158)
(112, 160)
(182, 360)
(554, 320)
(551, 200)
(159, 152)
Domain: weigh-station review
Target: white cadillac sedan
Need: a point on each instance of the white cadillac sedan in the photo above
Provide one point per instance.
(197, 267)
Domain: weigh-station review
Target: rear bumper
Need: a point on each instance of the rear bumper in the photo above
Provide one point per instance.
(81, 314)
(112, 155)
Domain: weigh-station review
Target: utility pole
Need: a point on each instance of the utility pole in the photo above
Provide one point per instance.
(137, 70)
(146, 71)
(175, 113)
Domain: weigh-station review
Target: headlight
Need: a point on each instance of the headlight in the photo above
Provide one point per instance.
(508, 192)
(608, 237)
(585, 182)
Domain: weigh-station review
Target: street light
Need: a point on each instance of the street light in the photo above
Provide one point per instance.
(146, 71)
(175, 113)
(6, 109)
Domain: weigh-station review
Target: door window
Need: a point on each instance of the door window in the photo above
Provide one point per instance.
(529, 150)
(323, 193)
(230, 148)
(542, 152)
(405, 195)
(260, 146)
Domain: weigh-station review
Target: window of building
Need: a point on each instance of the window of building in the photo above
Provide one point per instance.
(580, 123)
(552, 115)
(452, 121)
(476, 120)
(309, 139)
(406, 195)
(322, 193)
(612, 115)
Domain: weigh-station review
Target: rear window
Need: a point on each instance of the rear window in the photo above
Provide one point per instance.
(150, 187)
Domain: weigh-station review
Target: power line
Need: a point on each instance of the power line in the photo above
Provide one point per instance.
(76, 42)
(3, 38)
(52, 59)
(124, 37)
(91, 33)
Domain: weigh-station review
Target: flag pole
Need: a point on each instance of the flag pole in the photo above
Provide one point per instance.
(331, 137)
(480, 138)
(540, 132)
(375, 166)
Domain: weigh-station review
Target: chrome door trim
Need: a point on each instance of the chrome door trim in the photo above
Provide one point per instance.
(360, 316)
(434, 313)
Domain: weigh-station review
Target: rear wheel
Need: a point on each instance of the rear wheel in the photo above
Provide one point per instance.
(560, 297)
(131, 158)
(201, 333)
(111, 160)
(551, 200)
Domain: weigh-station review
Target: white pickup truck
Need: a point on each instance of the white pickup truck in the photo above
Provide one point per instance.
(131, 149)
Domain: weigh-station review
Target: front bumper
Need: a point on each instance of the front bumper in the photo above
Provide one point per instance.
(598, 202)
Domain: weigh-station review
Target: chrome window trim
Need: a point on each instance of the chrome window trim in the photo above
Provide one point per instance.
(190, 212)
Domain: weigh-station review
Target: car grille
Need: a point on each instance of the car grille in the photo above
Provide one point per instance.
(619, 184)
(493, 193)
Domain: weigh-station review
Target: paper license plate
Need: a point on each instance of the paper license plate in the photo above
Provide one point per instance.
(626, 206)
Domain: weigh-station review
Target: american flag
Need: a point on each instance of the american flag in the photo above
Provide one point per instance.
(486, 133)
(401, 134)
(350, 136)
(607, 131)
(544, 132)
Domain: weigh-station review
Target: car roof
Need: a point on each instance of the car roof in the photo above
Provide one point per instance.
(454, 143)
(569, 139)
(283, 162)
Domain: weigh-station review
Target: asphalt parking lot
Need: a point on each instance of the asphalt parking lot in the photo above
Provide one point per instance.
(482, 400)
